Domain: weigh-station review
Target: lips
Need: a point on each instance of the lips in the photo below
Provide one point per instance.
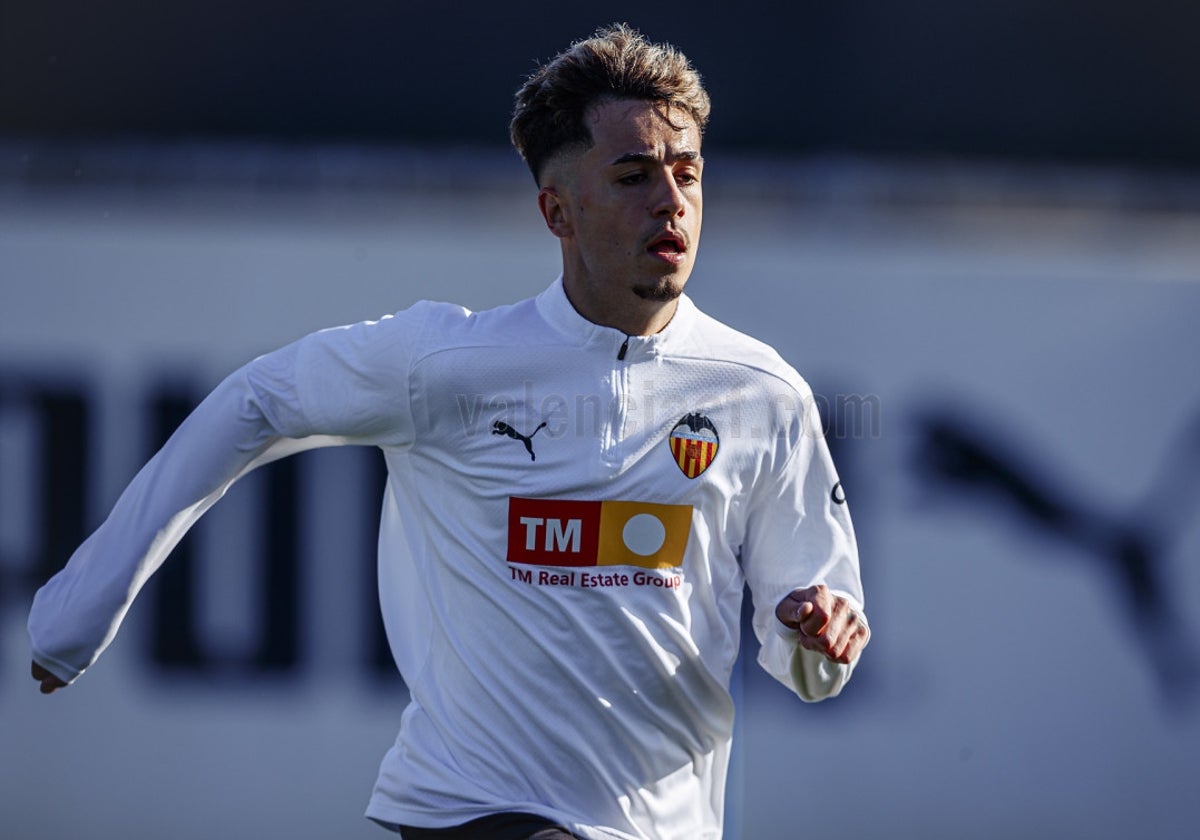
(668, 244)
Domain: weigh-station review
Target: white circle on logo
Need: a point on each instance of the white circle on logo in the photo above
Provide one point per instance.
(644, 534)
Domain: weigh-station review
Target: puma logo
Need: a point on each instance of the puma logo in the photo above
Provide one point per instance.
(502, 428)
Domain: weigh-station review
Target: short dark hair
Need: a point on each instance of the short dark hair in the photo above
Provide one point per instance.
(615, 62)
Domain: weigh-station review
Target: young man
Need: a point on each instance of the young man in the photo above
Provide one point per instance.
(562, 570)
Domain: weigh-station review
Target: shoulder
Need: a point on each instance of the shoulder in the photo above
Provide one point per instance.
(426, 326)
(435, 325)
(717, 342)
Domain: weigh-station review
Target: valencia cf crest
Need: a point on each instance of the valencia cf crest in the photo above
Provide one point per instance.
(694, 443)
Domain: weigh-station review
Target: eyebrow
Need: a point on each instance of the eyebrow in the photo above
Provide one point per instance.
(647, 157)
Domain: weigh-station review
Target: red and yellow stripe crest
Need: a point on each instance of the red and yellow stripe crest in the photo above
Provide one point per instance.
(694, 444)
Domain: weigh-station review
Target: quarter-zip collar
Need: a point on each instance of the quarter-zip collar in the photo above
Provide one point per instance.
(556, 309)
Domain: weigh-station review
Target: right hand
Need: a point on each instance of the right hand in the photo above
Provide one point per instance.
(825, 623)
(50, 683)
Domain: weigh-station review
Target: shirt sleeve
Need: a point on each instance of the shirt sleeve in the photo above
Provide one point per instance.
(345, 385)
(799, 534)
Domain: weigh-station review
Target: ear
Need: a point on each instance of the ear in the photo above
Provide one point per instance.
(554, 211)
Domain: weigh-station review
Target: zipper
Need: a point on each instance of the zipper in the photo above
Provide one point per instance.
(612, 450)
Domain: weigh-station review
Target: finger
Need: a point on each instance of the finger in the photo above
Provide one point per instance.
(852, 641)
(841, 641)
(814, 643)
(834, 624)
(793, 611)
(811, 620)
(835, 638)
(804, 612)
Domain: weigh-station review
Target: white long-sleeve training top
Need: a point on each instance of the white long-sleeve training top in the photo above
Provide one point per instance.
(569, 519)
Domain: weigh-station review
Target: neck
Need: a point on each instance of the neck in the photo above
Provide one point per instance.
(621, 309)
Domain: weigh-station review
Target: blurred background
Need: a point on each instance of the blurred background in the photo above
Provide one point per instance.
(975, 228)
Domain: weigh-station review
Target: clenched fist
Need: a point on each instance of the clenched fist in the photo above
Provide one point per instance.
(826, 623)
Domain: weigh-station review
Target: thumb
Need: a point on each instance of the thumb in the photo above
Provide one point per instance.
(792, 611)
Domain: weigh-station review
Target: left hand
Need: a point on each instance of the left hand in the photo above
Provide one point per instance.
(49, 682)
(826, 623)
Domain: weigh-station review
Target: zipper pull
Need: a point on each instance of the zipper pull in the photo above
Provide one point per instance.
(624, 347)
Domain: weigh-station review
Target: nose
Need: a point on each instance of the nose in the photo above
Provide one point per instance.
(668, 198)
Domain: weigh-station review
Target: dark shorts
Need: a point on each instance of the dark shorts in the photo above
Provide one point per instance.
(494, 827)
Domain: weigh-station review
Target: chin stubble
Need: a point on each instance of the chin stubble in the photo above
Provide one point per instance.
(663, 291)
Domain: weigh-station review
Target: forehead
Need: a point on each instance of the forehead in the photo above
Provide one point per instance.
(636, 126)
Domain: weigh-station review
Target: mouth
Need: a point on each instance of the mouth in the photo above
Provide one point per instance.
(669, 246)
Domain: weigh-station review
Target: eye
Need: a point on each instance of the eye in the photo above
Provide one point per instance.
(632, 178)
(686, 178)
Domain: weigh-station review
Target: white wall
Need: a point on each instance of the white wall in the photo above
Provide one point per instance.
(1008, 690)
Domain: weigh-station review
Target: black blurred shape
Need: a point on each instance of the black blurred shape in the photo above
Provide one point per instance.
(176, 643)
(963, 454)
(62, 415)
(64, 457)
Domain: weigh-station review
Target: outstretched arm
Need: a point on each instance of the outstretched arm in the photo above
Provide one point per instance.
(337, 386)
(76, 614)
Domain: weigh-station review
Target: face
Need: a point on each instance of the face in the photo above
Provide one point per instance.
(627, 211)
